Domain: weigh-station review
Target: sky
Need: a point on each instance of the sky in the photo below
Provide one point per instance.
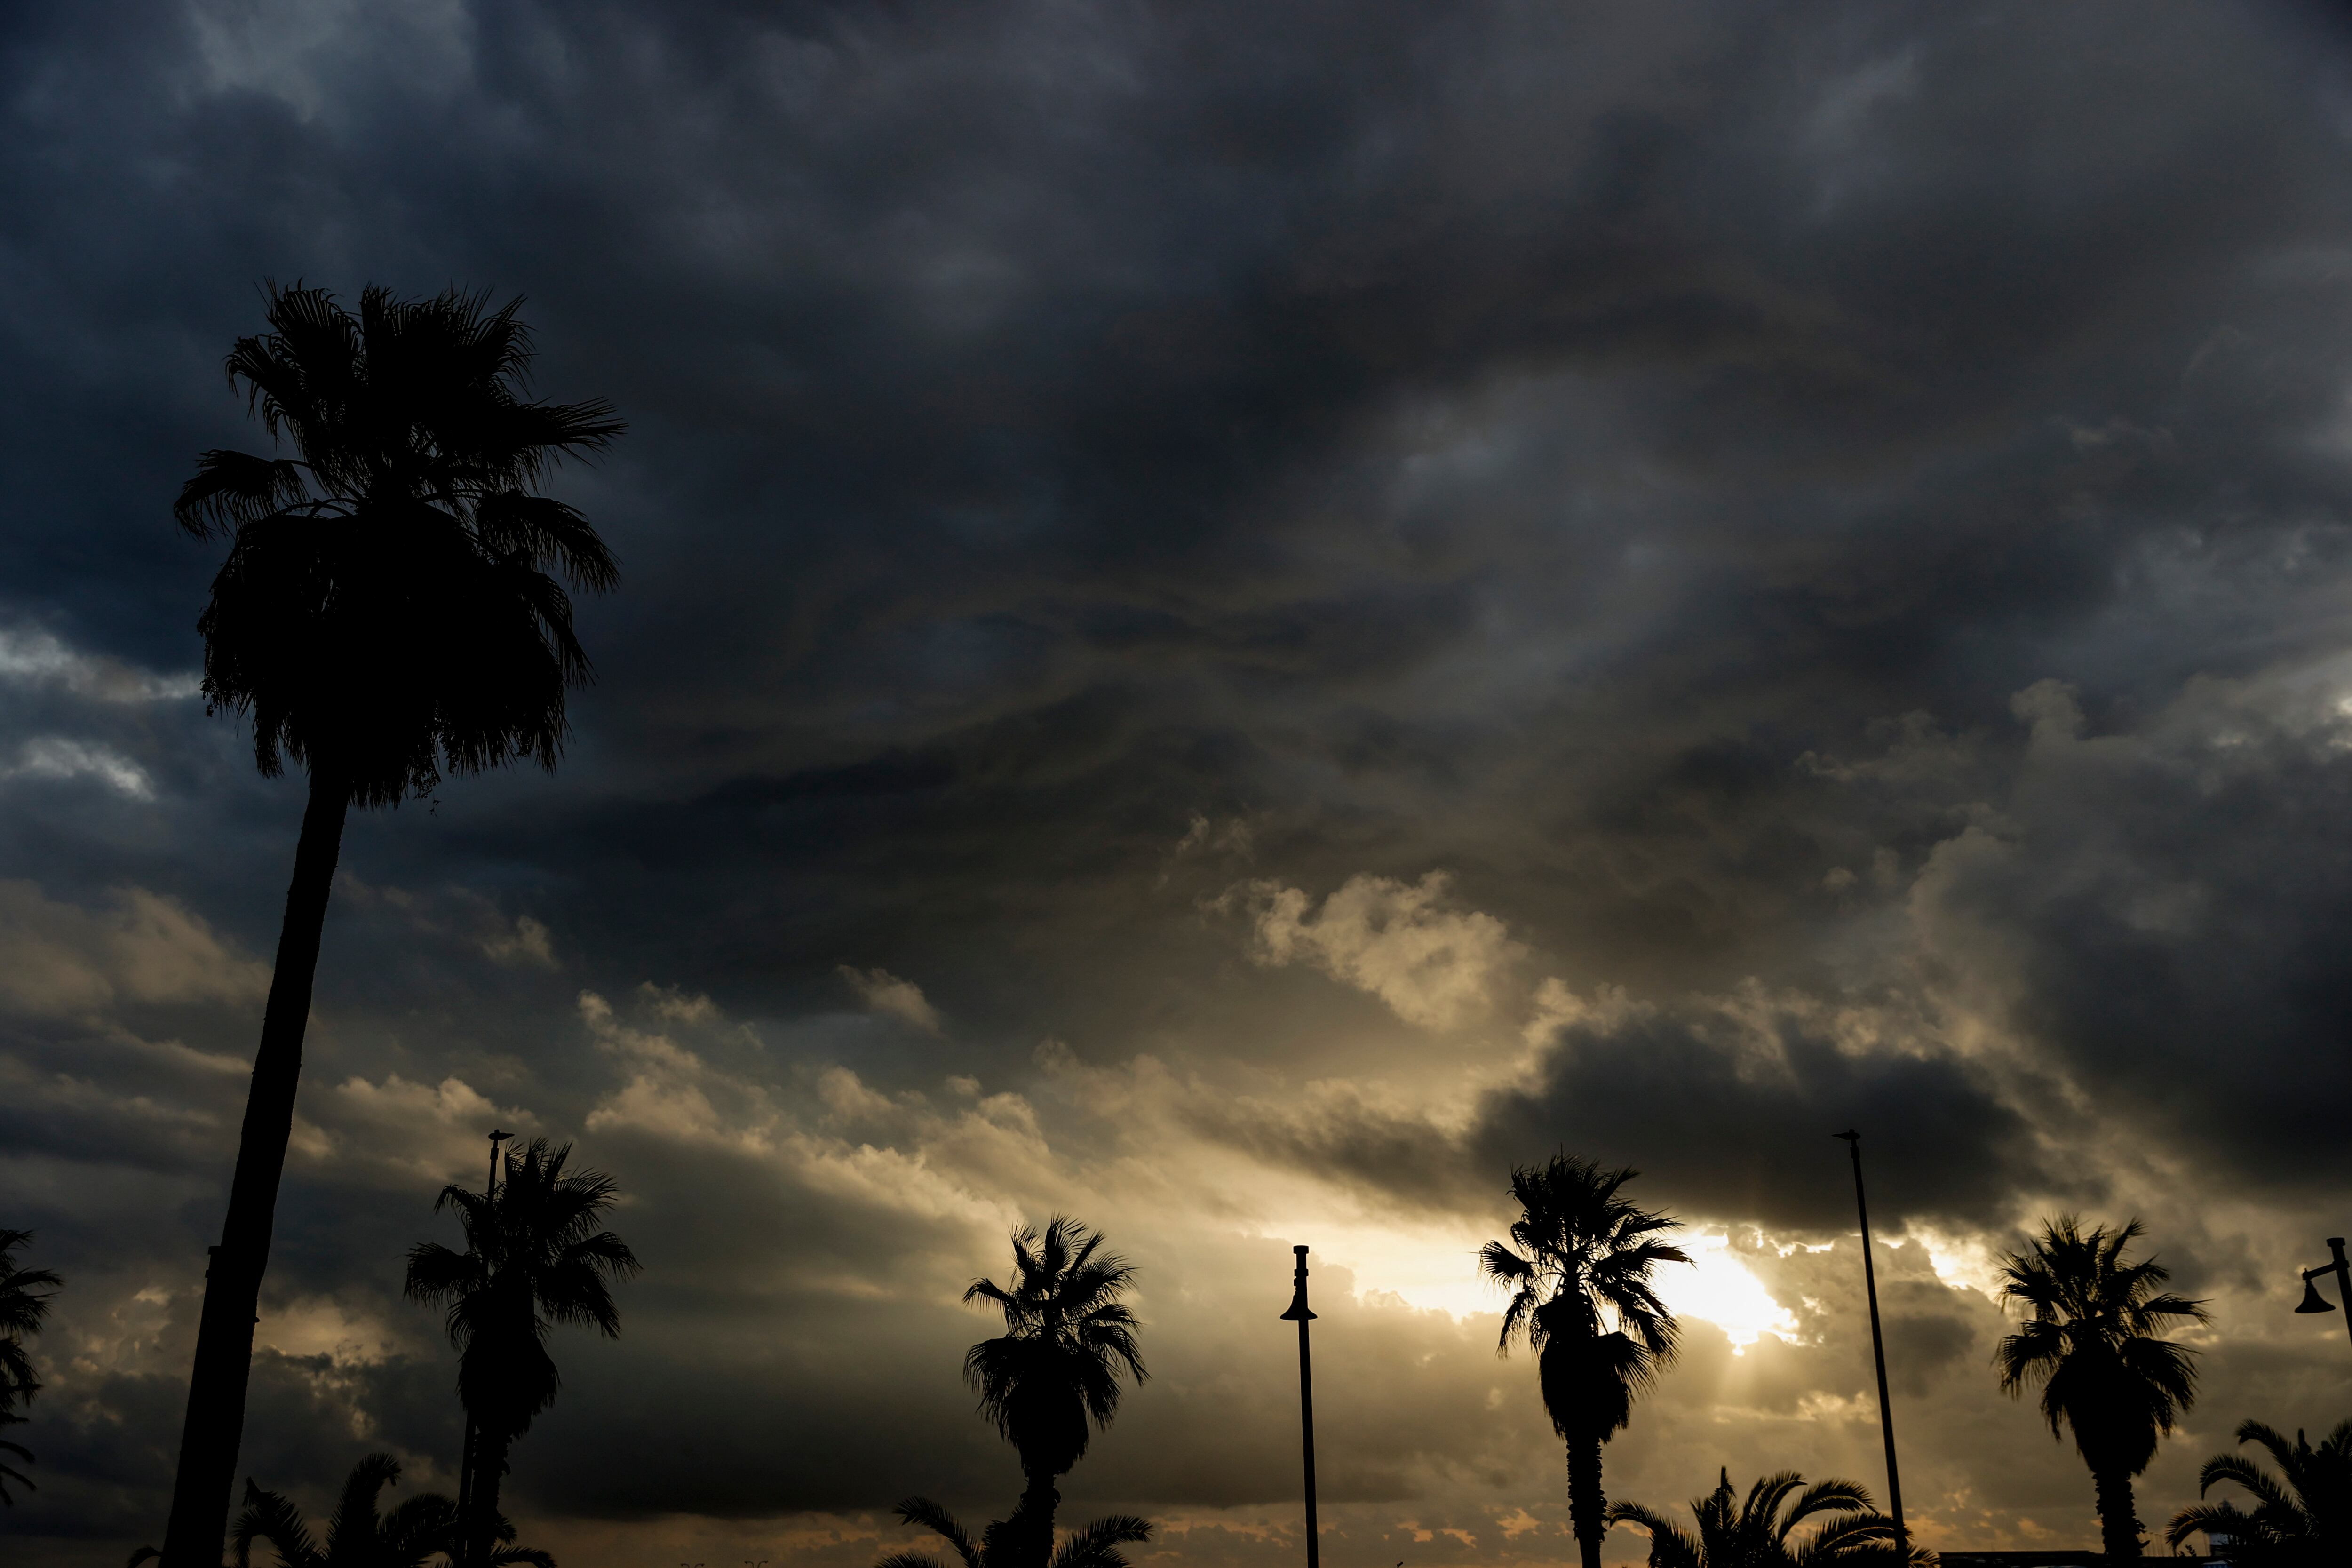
(1235, 618)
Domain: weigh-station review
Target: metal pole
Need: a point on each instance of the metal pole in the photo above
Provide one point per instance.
(1878, 1350)
(1299, 1314)
(2343, 1279)
(465, 1459)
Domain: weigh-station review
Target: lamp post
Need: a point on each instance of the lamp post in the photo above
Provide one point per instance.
(1878, 1350)
(1299, 1314)
(465, 1460)
(2313, 1301)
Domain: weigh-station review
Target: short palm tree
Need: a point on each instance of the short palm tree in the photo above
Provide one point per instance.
(1053, 1376)
(2094, 1344)
(1095, 1546)
(2302, 1516)
(534, 1258)
(385, 614)
(1756, 1533)
(358, 1534)
(24, 1306)
(1581, 1298)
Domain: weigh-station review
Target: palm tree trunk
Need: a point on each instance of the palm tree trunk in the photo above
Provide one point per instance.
(216, 1385)
(490, 1469)
(1034, 1513)
(465, 1494)
(1586, 1505)
(2118, 1524)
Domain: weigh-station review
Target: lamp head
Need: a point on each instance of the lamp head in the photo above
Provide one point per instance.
(2313, 1301)
(1299, 1312)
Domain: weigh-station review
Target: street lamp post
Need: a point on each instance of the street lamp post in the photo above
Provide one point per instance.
(2313, 1301)
(1878, 1350)
(1299, 1314)
(465, 1459)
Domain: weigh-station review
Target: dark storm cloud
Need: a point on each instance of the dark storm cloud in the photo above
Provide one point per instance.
(1727, 1136)
(1631, 461)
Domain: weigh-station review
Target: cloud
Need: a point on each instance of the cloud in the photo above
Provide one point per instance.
(55, 757)
(526, 943)
(143, 948)
(885, 993)
(1428, 964)
(34, 656)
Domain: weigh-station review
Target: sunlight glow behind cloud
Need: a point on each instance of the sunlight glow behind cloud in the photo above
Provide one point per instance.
(1720, 1289)
(1438, 1270)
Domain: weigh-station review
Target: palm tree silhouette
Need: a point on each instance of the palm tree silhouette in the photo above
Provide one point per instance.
(1756, 1533)
(357, 1535)
(1580, 1297)
(1053, 1376)
(24, 1305)
(2094, 1344)
(2302, 1517)
(385, 614)
(533, 1258)
(1095, 1546)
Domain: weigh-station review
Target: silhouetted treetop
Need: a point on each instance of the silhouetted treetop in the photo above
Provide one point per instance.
(387, 609)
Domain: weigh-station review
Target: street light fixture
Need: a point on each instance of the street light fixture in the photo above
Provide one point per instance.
(2313, 1301)
(1299, 1314)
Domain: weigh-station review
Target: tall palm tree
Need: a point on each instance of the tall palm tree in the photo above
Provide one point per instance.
(1580, 1297)
(1053, 1376)
(24, 1305)
(2302, 1516)
(385, 614)
(534, 1258)
(1756, 1533)
(1095, 1546)
(2094, 1344)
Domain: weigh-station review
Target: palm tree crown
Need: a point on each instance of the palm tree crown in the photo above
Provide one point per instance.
(1580, 1277)
(2302, 1517)
(2093, 1343)
(385, 611)
(359, 1535)
(1095, 1546)
(1578, 1267)
(1756, 1533)
(534, 1257)
(24, 1307)
(1054, 1374)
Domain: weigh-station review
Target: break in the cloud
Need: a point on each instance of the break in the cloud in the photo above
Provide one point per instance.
(1357, 595)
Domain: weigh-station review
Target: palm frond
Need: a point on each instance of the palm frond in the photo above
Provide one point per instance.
(9, 1474)
(1830, 1496)
(923, 1511)
(1096, 1545)
(1671, 1545)
(273, 1519)
(356, 1517)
